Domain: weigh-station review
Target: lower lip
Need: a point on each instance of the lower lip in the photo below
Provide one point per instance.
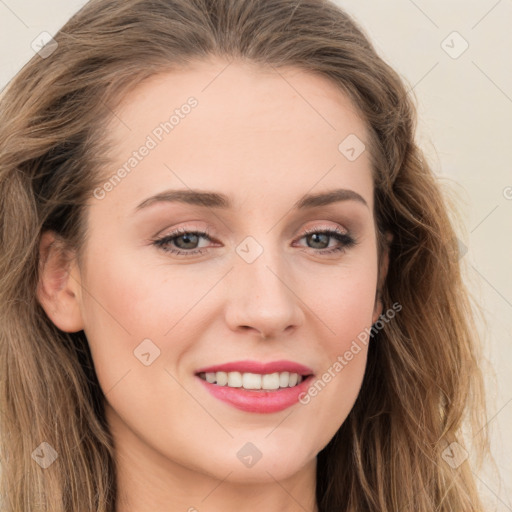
(258, 401)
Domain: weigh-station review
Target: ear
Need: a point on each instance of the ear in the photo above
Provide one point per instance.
(383, 272)
(58, 287)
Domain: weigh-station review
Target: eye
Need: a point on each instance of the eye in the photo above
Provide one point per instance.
(185, 242)
(319, 238)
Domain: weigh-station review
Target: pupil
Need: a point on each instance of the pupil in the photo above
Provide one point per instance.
(316, 237)
(187, 238)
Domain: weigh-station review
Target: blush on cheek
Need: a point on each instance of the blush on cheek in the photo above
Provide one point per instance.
(352, 312)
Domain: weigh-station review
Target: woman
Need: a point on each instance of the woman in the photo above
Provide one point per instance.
(229, 277)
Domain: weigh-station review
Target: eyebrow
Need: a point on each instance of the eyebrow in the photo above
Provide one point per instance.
(216, 200)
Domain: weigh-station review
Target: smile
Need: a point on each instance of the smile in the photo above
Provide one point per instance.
(257, 387)
(268, 381)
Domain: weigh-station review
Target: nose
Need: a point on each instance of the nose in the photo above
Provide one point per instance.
(262, 299)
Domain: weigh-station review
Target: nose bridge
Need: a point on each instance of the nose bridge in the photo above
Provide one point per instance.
(260, 290)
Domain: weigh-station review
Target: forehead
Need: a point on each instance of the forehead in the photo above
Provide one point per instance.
(241, 127)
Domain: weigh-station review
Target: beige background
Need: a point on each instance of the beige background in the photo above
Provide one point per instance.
(465, 119)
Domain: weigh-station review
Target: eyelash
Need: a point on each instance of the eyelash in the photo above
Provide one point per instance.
(346, 241)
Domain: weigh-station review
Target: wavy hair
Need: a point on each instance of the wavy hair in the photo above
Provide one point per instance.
(422, 380)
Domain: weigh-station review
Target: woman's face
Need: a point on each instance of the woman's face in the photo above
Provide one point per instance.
(159, 307)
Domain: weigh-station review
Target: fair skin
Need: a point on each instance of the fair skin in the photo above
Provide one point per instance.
(255, 139)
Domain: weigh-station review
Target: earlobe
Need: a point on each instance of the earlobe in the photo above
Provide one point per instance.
(58, 288)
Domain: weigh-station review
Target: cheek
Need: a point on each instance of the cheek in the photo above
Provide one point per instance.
(123, 306)
(350, 296)
(133, 299)
(344, 299)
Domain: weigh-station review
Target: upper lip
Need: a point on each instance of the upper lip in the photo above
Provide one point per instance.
(258, 367)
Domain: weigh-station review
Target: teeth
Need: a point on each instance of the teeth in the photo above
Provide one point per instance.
(221, 378)
(251, 381)
(284, 379)
(234, 379)
(268, 381)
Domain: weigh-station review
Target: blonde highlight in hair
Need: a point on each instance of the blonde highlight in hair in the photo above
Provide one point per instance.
(422, 374)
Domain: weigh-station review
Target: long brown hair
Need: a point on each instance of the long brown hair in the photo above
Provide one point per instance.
(422, 379)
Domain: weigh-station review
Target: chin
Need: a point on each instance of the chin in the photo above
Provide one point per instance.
(260, 461)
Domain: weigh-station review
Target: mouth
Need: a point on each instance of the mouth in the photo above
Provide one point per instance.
(254, 381)
(257, 387)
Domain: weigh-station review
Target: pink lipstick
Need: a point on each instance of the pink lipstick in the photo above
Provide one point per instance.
(257, 387)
